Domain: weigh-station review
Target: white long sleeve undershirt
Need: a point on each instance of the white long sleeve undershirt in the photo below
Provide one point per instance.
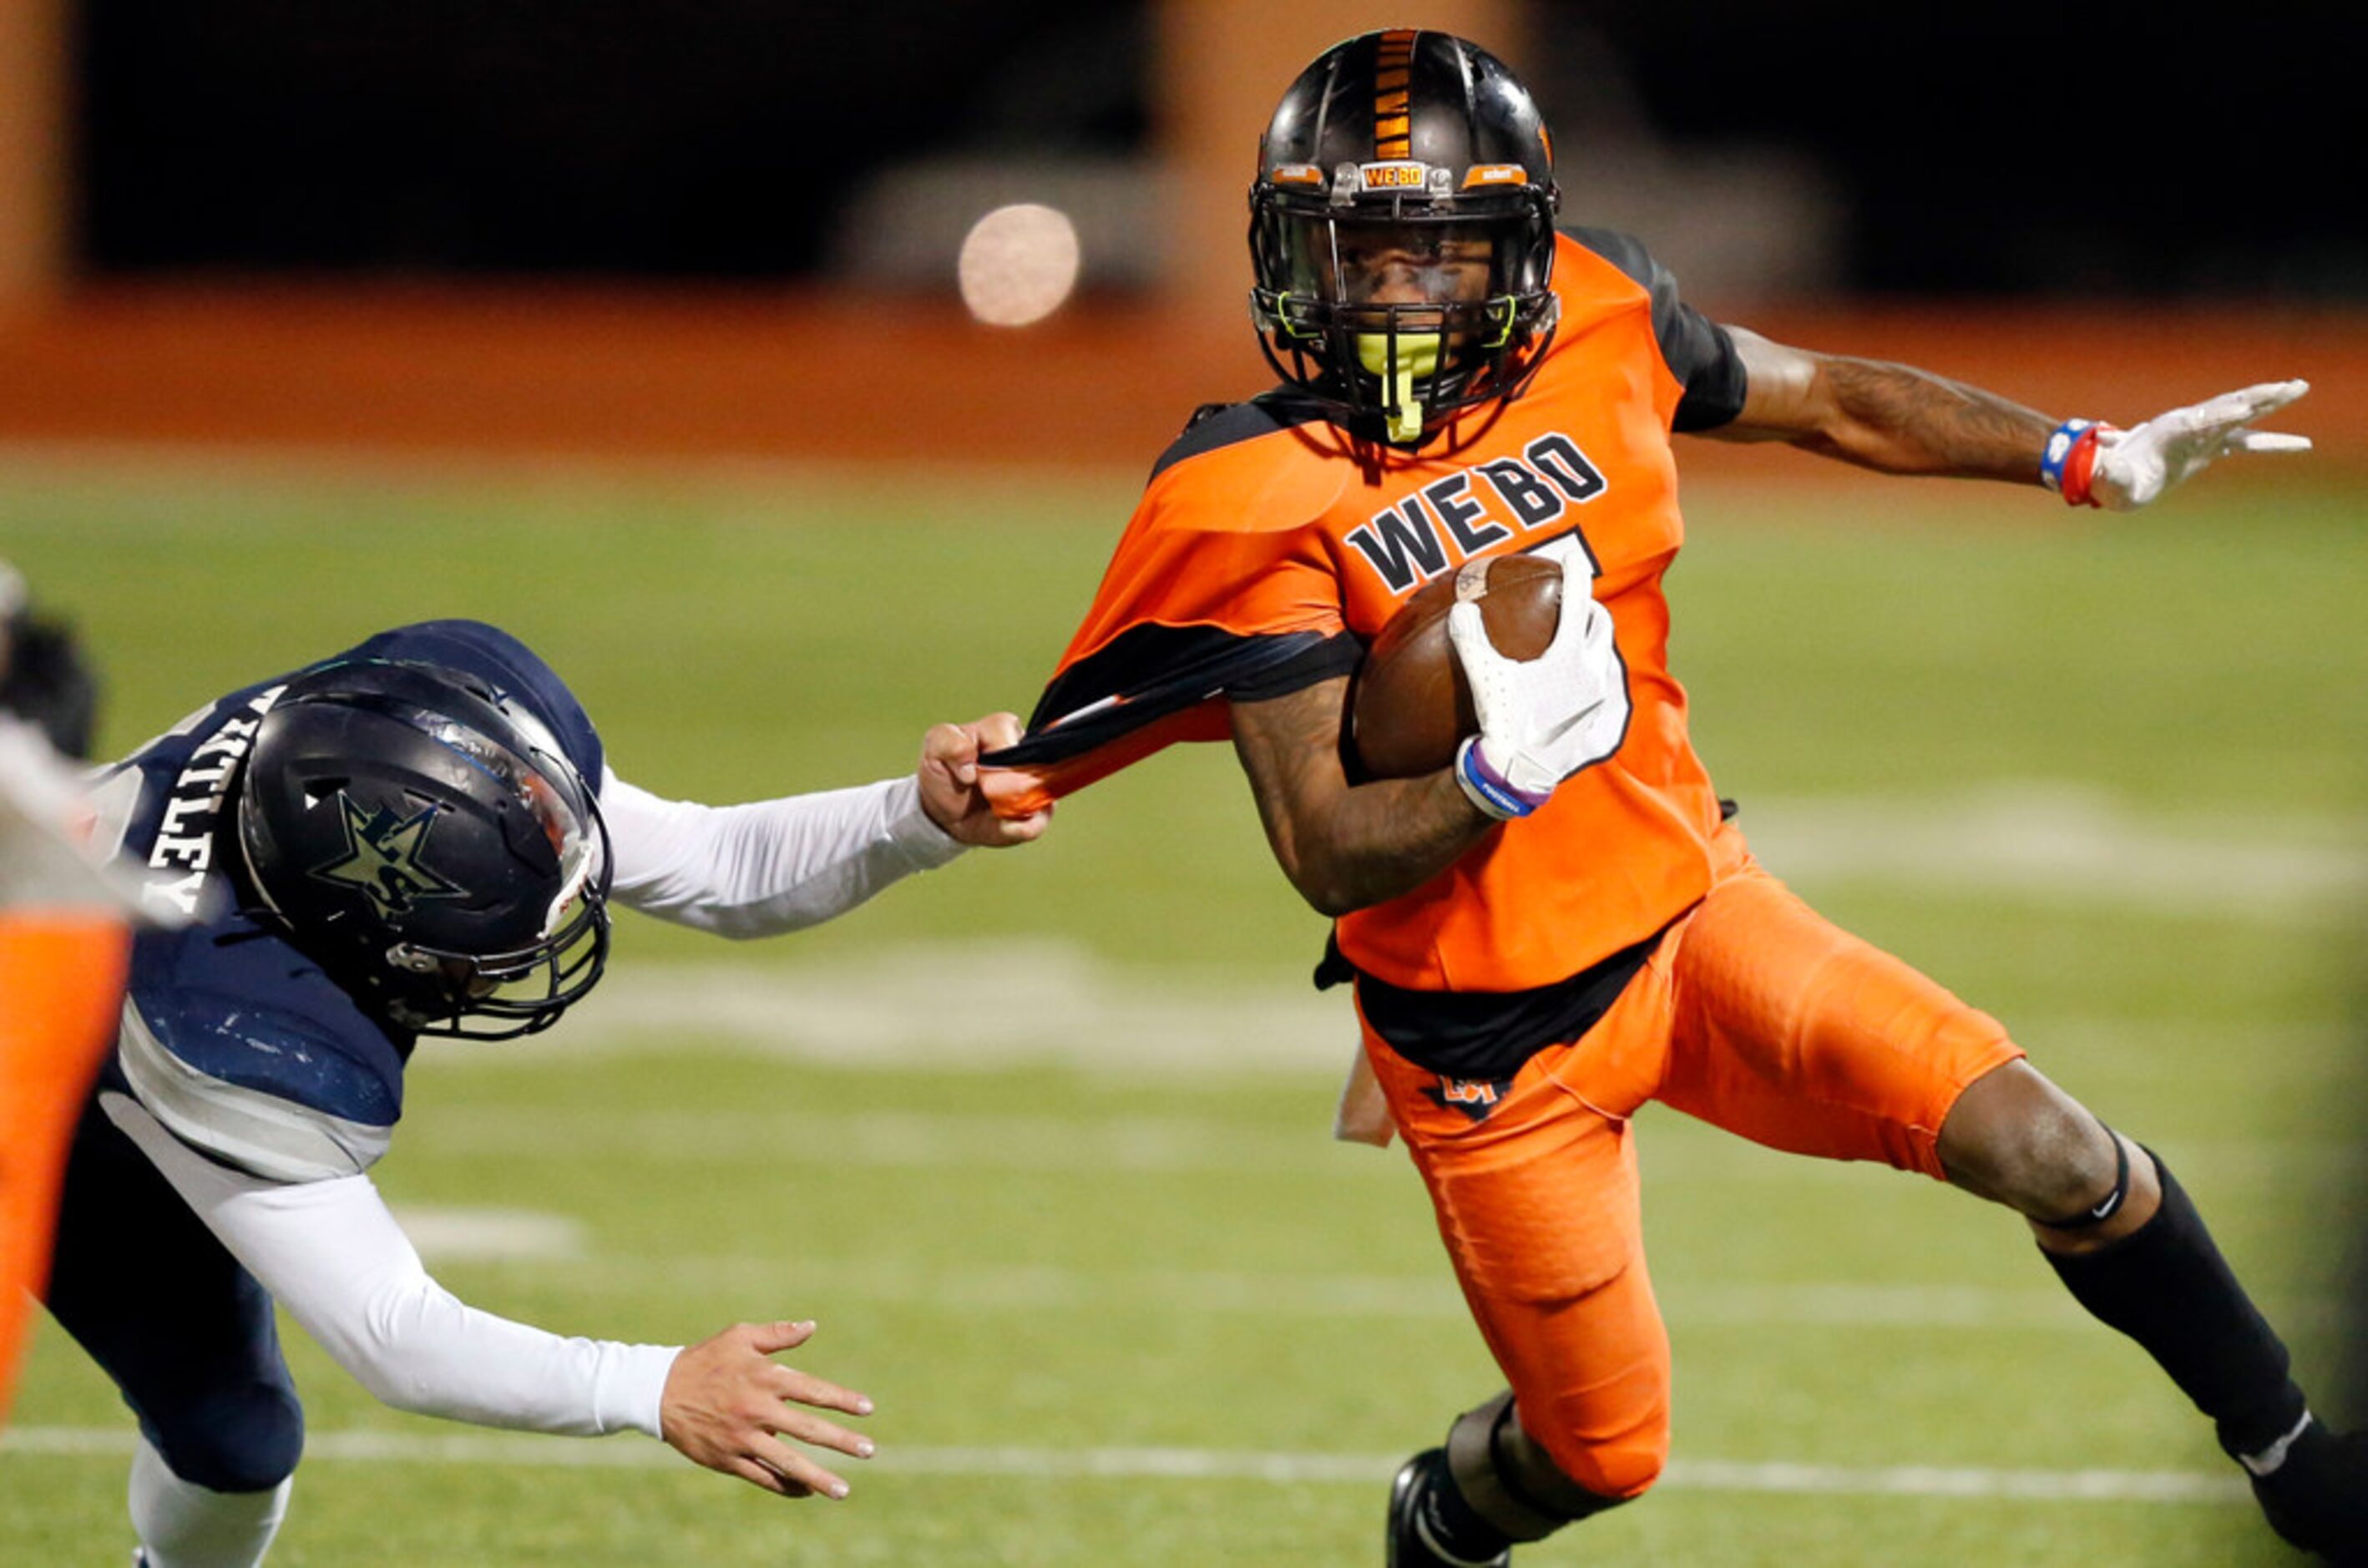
(771, 866)
(335, 1256)
(331, 1254)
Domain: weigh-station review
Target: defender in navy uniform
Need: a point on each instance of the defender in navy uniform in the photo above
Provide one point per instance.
(420, 835)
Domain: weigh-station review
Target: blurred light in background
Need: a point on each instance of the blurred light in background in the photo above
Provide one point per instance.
(1017, 264)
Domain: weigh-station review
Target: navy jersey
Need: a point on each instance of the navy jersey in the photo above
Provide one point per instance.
(233, 1039)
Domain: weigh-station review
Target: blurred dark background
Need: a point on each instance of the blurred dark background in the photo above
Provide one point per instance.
(704, 137)
(2161, 150)
(732, 226)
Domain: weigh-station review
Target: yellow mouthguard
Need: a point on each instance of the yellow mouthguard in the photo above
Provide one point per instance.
(1418, 355)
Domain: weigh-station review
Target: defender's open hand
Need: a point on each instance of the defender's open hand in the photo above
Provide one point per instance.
(726, 1398)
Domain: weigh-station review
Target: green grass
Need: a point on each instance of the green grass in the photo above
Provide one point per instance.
(2202, 668)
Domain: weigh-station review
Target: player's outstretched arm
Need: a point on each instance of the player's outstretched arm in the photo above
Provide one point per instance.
(950, 791)
(1898, 419)
(332, 1253)
(728, 1404)
(1892, 418)
(770, 866)
(1345, 846)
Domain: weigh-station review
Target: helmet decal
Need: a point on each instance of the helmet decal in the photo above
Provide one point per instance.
(383, 858)
(1495, 173)
(1393, 114)
(1404, 174)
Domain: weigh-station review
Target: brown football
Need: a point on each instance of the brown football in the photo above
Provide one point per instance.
(1410, 708)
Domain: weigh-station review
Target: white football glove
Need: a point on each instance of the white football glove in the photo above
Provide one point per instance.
(1542, 719)
(2137, 465)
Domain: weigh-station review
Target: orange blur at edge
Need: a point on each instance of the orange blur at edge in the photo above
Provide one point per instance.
(61, 978)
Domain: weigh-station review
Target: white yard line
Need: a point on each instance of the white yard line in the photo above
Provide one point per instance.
(1029, 1000)
(1213, 1464)
(1676, 1151)
(1044, 1002)
(894, 1140)
(449, 1233)
(2069, 846)
(1048, 1000)
(1429, 1297)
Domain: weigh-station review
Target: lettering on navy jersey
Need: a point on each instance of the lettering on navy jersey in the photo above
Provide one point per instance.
(1413, 542)
(183, 854)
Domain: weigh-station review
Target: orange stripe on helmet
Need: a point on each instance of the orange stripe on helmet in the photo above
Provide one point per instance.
(1393, 71)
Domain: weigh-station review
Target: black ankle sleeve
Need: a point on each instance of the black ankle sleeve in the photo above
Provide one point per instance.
(2166, 1286)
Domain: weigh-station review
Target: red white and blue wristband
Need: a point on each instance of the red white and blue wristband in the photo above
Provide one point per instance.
(2069, 466)
(1490, 791)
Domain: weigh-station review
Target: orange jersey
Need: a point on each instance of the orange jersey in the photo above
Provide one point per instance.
(61, 988)
(1269, 547)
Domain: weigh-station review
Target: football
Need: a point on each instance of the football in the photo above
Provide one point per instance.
(1409, 707)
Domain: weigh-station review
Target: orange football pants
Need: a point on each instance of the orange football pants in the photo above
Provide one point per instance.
(1756, 1015)
(61, 990)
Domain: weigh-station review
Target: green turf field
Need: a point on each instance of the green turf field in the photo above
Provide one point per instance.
(1042, 1140)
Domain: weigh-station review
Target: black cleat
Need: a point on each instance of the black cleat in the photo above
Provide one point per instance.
(2318, 1498)
(1410, 1543)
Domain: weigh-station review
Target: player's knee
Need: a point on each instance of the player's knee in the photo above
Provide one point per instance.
(2067, 1162)
(2018, 1139)
(244, 1442)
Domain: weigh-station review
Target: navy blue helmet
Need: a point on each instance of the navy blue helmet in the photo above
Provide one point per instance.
(424, 840)
(1402, 232)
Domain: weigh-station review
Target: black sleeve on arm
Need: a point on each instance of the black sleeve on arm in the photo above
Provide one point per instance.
(1338, 655)
(1698, 350)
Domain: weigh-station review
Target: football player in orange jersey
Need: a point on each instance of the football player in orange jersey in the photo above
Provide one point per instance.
(1564, 924)
(63, 944)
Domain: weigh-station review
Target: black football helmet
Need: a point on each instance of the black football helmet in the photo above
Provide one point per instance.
(1402, 232)
(424, 840)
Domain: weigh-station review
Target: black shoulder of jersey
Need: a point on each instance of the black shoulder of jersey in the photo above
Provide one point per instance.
(1699, 351)
(1627, 253)
(1216, 424)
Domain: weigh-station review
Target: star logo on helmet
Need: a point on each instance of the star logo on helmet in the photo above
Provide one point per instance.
(383, 858)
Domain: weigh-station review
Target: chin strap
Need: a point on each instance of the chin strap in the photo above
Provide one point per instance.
(1406, 409)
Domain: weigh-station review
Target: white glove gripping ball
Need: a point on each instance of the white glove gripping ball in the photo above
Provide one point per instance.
(1542, 719)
